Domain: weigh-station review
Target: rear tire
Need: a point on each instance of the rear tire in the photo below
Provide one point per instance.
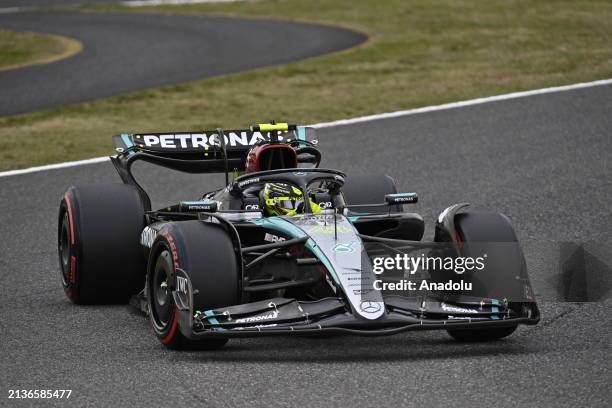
(99, 229)
(370, 189)
(206, 253)
(487, 227)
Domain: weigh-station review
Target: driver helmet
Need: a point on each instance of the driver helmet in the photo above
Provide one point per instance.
(285, 199)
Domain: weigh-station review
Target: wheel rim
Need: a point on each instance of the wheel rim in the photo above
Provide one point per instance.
(64, 249)
(161, 296)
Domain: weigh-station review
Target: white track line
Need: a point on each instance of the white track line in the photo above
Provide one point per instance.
(54, 166)
(144, 3)
(462, 104)
(11, 10)
(361, 119)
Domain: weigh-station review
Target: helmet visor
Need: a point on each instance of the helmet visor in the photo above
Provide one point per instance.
(287, 203)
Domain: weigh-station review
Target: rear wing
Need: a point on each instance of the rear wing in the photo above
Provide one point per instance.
(210, 151)
(204, 149)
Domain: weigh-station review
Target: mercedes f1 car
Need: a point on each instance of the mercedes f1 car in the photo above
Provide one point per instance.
(284, 247)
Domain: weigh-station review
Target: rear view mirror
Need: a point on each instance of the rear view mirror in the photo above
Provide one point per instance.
(198, 206)
(401, 198)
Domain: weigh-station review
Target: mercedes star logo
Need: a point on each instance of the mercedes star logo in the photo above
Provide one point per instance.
(368, 306)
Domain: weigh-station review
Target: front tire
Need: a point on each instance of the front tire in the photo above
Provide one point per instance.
(488, 229)
(206, 253)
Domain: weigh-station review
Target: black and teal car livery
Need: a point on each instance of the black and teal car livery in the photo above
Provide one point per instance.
(218, 266)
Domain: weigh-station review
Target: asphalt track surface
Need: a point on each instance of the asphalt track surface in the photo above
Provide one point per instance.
(128, 52)
(543, 160)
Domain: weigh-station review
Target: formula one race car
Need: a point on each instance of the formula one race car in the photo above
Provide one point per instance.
(285, 248)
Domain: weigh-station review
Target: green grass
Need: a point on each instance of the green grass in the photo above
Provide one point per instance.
(420, 52)
(21, 49)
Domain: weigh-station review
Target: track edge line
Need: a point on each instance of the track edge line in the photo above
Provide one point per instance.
(464, 103)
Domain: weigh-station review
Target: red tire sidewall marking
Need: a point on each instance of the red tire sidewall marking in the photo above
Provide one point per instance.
(175, 315)
(69, 207)
(173, 328)
(72, 274)
(72, 265)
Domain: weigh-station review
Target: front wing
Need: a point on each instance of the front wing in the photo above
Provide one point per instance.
(283, 316)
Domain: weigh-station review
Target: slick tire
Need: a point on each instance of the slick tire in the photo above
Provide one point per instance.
(488, 227)
(369, 189)
(100, 257)
(206, 253)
